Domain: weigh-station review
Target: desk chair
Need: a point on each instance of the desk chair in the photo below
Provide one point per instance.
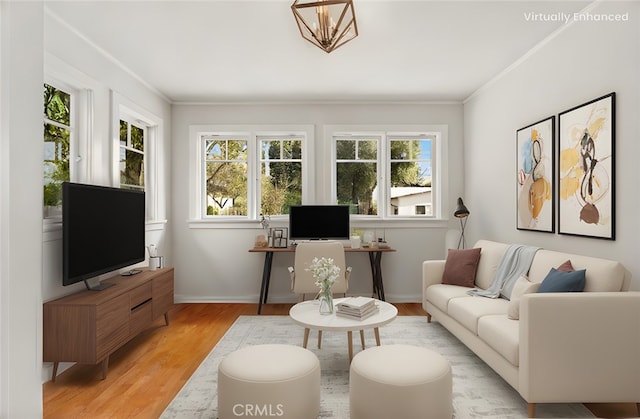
(302, 280)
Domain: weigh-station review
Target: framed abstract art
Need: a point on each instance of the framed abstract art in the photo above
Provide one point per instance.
(534, 174)
(586, 205)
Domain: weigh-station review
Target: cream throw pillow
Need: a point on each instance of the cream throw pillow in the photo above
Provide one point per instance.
(521, 287)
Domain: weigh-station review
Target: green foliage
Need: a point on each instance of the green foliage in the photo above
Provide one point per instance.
(57, 143)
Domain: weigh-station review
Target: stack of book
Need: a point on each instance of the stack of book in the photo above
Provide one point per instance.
(357, 307)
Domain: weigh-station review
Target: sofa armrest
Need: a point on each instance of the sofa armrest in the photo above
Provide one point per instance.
(580, 347)
(432, 271)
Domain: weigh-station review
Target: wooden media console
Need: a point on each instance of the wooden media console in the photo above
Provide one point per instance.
(88, 326)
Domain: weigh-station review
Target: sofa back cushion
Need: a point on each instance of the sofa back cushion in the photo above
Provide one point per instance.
(490, 258)
(601, 274)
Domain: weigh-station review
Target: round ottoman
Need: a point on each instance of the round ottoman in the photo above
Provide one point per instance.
(400, 381)
(269, 381)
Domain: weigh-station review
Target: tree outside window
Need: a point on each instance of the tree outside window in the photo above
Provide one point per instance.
(357, 174)
(281, 175)
(410, 180)
(131, 156)
(57, 143)
(226, 167)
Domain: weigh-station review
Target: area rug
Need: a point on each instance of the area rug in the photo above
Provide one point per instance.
(478, 392)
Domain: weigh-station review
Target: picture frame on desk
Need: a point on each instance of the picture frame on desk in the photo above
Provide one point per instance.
(279, 237)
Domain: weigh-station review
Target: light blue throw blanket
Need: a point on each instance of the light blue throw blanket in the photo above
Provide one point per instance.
(515, 262)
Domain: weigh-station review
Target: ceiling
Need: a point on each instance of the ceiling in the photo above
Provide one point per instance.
(251, 51)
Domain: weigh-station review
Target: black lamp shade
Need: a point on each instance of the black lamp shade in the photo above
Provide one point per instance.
(461, 210)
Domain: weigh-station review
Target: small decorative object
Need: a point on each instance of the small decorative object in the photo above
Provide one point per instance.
(279, 237)
(586, 204)
(534, 173)
(325, 273)
(265, 220)
(261, 241)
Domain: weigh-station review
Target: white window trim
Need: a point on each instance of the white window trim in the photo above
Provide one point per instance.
(59, 74)
(439, 170)
(123, 108)
(197, 212)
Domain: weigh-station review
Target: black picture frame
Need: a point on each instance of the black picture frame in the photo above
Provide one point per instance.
(586, 169)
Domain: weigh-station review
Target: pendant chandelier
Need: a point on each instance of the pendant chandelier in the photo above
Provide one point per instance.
(327, 24)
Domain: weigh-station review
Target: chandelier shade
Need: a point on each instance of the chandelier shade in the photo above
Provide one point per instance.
(327, 24)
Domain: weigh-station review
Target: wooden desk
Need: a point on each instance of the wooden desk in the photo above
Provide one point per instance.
(375, 261)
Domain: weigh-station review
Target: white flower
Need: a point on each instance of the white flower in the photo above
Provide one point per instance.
(324, 271)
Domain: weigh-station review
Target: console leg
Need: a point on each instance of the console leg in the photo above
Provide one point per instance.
(105, 367)
(55, 372)
(532, 410)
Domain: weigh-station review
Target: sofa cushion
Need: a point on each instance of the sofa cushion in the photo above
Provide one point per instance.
(460, 267)
(566, 266)
(601, 275)
(439, 295)
(502, 334)
(559, 281)
(521, 287)
(490, 257)
(468, 310)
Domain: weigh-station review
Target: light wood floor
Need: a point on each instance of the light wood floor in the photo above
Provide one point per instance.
(146, 374)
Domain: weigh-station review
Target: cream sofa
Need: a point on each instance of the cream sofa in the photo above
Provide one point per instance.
(566, 347)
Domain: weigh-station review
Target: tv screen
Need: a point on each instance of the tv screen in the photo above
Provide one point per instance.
(103, 229)
(308, 222)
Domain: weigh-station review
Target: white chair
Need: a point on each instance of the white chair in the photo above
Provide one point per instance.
(302, 280)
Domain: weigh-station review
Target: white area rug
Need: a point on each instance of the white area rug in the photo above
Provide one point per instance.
(478, 392)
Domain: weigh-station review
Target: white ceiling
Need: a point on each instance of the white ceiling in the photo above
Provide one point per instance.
(249, 51)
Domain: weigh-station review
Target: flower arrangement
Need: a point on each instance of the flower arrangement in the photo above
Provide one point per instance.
(325, 273)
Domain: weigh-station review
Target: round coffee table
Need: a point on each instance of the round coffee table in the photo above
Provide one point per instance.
(307, 315)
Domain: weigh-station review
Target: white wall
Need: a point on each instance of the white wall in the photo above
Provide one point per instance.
(214, 264)
(69, 56)
(582, 62)
(20, 210)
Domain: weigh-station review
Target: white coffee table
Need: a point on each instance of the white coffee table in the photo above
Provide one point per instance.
(307, 315)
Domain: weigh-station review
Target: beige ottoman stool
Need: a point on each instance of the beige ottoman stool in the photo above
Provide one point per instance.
(400, 381)
(269, 381)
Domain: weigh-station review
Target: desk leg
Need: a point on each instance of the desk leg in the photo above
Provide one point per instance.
(266, 276)
(372, 263)
(378, 269)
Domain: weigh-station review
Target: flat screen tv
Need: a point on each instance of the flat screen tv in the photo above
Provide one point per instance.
(103, 230)
(319, 222)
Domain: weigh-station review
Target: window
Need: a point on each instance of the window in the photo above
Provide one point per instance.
(138, 143)
(280, 174)
(58, 139)
(247, 171)
(405, 185)
(357, 173)
(410, 174)
(226, 168)
(131, 163)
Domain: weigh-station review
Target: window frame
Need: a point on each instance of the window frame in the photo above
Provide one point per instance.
(125, 109)
(197, 190)
(386, 133)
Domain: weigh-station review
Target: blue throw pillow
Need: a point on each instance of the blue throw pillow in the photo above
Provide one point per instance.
(559, 281)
